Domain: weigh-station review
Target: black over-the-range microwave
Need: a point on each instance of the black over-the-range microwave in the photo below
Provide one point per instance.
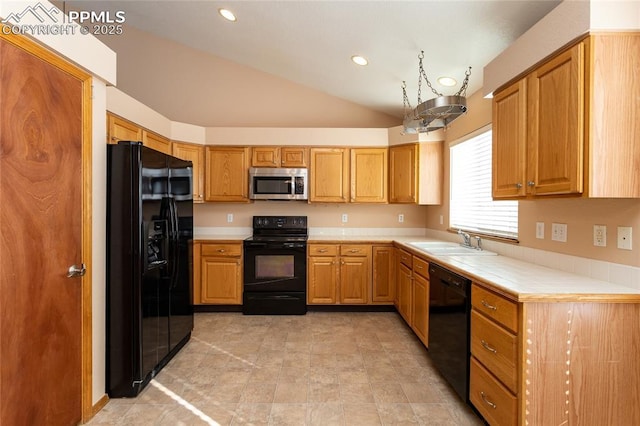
(267, 183)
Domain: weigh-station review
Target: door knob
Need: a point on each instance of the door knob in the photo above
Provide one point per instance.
(76, 271)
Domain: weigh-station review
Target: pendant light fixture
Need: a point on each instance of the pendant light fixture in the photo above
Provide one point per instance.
(435, 113)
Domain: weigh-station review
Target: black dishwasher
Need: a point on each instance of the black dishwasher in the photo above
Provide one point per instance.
(449, 307)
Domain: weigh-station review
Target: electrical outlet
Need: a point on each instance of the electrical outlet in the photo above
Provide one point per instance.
(540, 230)
(600, 235)
(400, 218)
(624, 237)
(229, 217)
(345, 218)
(559, 232)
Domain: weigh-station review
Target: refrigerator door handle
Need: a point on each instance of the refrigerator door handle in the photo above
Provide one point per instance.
(175, 242)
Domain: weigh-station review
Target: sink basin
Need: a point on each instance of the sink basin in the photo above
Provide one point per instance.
(438, 248)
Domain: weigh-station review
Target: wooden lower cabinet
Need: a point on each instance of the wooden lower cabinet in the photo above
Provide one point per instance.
(497, 405)
(218, 273)
(339, 274)
(384, 275)
(412, 293)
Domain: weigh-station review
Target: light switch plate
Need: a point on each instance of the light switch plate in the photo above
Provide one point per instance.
(345, 218)
(540, 230)
(400, 218)
(229, 217)
(624, 237)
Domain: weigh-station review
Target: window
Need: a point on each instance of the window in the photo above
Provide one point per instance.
(472, 208)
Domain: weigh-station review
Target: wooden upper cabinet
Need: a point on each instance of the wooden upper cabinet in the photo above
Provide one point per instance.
(329, 177)
(369, 175)
(286, 157)
(509, 141)
(580, 134)
(226, 173)
(293, 157)
(264, 156)
(122, 130)
(157, 142)
(195, 154)
(416, 173)
(404, 178)
(555, 122)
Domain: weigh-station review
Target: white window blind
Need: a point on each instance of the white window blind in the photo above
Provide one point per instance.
(471, 205)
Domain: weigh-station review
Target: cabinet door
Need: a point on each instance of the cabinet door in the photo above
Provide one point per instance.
(420, 308)
(322, 280)
(555, 111)
(383, 288)
(122, 130)
(369, 175)
(329, 177)
(293, 157)
(355, 279)
(221, 280)
(404, 292)
(195, 154)
(402, 169)
(264, 156)
(157, 142)
(509, 141)
(226, 174)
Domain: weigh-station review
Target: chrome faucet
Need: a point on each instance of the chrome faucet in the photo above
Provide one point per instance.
(466, 239)
(478, 242)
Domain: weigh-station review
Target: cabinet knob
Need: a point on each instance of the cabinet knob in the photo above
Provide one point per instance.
(531, 183)
(518, 185)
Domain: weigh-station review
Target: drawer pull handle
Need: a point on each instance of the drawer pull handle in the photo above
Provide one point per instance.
(221, 250)
(322, 250)
(354, 251)
(488, 306)
(488, 347)
(418, 267)
(486, 401)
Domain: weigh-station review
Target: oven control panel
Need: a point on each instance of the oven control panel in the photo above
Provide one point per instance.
(280, 222)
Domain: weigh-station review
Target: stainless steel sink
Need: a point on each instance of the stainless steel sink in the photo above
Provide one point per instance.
(439, 248)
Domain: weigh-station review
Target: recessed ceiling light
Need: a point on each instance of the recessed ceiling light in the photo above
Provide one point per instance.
(447, 81)
(227, 14)
(360, 60)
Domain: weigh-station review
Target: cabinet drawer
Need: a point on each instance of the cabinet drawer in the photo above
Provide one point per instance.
(495, 307)
(221, 249)
(355, 250)
(405, 258)
(496, 404)
(495, 348)
(323, 250)
(421, 267)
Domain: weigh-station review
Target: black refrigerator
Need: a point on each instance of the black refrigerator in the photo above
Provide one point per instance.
(149, 264)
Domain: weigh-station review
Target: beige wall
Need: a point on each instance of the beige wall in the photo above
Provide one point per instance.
(320, 215)
(579, 214)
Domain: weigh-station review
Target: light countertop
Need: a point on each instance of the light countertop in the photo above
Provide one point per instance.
(515, 279)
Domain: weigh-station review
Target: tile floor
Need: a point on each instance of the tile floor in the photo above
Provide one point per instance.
(323, 368)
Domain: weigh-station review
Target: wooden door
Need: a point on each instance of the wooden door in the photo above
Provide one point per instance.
(122, 130)
(355, 279)
(383, 288)
(404, 292)
(329, 177)
(195, 154)
(45, 347)
(322, 280)
(403, 185)
(420, 308)
(265, 156)
(157, 142)
(227, 174)
(369, 175)
(555, 96)
(291, 156)
(509, 141)
(221, 280)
